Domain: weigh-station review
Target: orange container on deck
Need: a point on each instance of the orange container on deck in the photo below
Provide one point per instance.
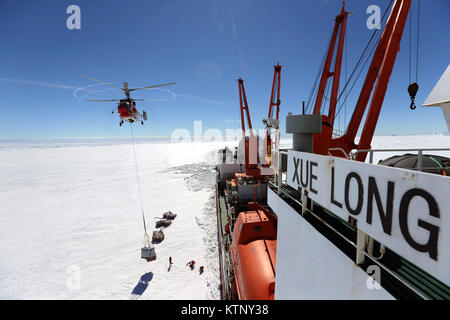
(253, 253)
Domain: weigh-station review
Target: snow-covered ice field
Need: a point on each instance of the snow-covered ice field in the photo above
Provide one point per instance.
(71, 226)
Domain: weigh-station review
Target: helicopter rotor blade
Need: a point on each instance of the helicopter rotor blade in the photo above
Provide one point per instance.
(155, 86)
(109, 100)
(93, 79)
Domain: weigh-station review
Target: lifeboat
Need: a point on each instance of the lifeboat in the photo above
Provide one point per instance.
(253, 252)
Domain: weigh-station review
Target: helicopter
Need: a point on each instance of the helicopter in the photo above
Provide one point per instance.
(126, 108)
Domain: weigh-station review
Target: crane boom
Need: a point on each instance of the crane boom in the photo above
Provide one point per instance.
(393, 46)
(275, 92)
(374, 86)
(272, 122)
(377, 77)
(249, 142)
(322, 140)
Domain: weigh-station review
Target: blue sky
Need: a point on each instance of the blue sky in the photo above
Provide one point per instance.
(204, 46)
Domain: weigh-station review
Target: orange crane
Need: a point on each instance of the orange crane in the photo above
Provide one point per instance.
(253, 166)
(377, 77)
(250, 142)
(374, 87)
(271, 122)
(322, 140)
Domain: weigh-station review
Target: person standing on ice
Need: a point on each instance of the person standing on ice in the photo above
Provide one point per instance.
(170, 261)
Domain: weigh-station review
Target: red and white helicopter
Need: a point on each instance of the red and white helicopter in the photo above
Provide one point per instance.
(127, 107)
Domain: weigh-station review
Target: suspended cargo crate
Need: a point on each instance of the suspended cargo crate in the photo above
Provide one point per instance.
(148, 251)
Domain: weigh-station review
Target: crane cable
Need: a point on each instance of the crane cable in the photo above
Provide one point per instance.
(413, 86)
(350, 78)
(363, 60)
(315, 88)
(417, 46)
(146, 236)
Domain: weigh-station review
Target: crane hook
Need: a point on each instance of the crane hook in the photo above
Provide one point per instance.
(412, 90)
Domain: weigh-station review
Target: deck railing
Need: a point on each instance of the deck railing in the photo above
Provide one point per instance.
(419, 155)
